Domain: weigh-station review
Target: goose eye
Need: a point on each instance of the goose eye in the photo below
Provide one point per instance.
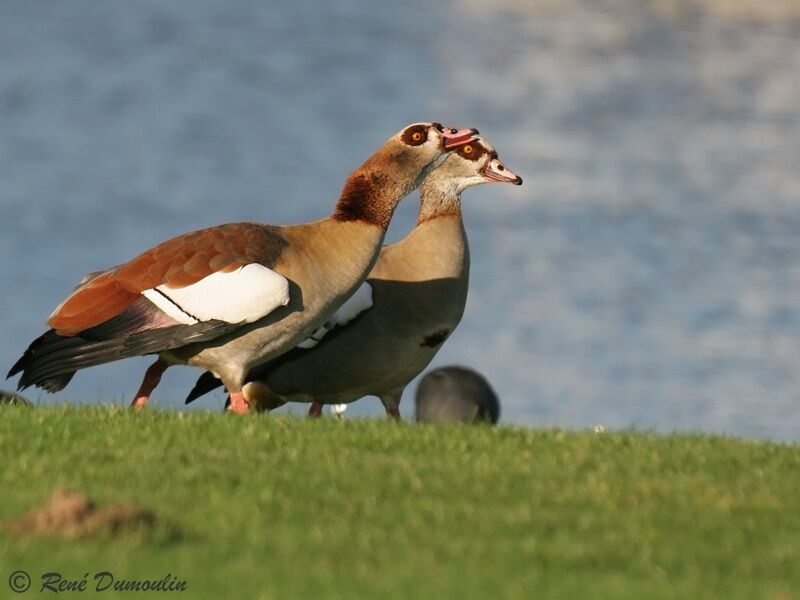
(416, 135)
(468, 149)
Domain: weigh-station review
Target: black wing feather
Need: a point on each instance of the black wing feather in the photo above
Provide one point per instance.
(51, 360)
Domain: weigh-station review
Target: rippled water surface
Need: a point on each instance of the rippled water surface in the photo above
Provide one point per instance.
(647, 274)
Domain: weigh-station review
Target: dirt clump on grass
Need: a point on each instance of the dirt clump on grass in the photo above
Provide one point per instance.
(72, 515)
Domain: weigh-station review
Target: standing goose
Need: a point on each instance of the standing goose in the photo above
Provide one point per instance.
(394, 325)
(231, 297)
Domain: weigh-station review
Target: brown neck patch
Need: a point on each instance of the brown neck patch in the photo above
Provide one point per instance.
(364, 199)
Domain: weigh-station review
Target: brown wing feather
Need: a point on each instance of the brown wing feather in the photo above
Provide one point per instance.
(178, 262)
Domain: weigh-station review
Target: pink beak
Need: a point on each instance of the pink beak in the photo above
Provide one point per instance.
(453, 138)
(497, 171)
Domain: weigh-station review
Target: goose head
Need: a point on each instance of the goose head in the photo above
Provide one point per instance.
(421, 147)
(372, 191)
(469, 164)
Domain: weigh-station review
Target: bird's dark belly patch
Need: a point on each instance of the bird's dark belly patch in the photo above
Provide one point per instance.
(434, 339)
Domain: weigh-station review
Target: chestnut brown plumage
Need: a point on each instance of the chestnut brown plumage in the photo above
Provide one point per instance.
(179, 262)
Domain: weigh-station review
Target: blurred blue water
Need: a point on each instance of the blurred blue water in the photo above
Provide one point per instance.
(647, 274)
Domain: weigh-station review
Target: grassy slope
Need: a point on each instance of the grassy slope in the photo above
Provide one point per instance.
(284, 508)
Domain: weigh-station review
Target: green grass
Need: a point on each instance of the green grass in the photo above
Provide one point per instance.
(284, 508)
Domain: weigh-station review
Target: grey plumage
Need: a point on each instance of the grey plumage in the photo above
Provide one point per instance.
(456, 395)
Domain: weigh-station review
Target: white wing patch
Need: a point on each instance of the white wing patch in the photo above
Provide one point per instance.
(356, 304)
(241, 296)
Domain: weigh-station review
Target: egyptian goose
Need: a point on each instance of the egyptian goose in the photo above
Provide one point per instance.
(456, 395)
(234, 296)
(393, 326)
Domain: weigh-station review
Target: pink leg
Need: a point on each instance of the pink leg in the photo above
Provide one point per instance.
(238, 404)
(316, 410)
(391, 402)
(152, 377)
